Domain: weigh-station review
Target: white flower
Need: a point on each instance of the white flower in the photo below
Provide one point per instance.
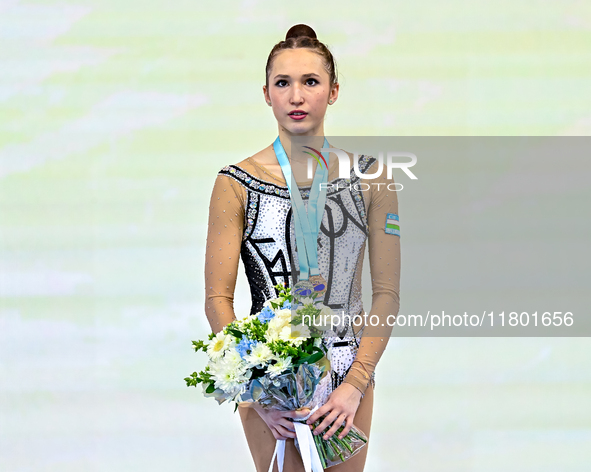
(232, 357)
(277, 301)
(259, 355)
(276, 325)
(272, 335)
(229, 375)
(324, 319)
(218, 345)
(282, 365)
(325, 310)
(295, 335)
(283, 313)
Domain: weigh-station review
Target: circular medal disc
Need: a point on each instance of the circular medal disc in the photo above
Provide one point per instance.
(303, 288)
(319, 284)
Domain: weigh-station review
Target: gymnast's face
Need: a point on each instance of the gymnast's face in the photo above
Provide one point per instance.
(298, 81)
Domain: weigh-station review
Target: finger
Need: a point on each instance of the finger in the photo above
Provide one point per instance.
(296, 414)
(326, 422)
(286, 424)
(299, 414)
(336, 425)
(276, 435)
(347, 428)
(284, 432)
(319, 413)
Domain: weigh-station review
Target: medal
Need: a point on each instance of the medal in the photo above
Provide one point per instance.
(303, 288)
(307, 222)
(318, 283)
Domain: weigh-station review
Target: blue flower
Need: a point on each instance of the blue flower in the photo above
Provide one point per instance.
(286, 305)
(265, 315)
(245, 345)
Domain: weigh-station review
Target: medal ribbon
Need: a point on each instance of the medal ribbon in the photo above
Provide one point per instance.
(307, 223)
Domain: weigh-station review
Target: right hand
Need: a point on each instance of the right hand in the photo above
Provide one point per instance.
(279, 422)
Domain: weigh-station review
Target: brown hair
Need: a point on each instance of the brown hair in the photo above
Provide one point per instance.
(302, 36)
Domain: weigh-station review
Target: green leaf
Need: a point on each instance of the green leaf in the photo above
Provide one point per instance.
(235, 332)
(199, 345)
(193, 380)
(311, 359)
(210, 388)
(315, 357)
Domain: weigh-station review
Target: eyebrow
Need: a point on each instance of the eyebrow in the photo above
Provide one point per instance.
(304, 76)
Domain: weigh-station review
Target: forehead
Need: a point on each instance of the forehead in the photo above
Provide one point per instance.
(296, 62)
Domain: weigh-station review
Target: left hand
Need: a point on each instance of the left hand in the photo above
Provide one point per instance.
(340, 408)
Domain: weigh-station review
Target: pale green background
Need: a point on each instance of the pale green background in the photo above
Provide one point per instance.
(115, 118)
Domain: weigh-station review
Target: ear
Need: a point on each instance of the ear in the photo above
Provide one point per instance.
(334, 93)
(266, 95)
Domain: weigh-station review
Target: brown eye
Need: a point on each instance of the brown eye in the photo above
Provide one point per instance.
(280, 81)
(314, 80)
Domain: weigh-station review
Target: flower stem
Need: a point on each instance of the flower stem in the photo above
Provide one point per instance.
(321, 451)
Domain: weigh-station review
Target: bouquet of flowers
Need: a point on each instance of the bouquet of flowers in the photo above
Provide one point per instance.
(279, 362)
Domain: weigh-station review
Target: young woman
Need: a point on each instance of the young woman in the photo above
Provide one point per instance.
(250, 217)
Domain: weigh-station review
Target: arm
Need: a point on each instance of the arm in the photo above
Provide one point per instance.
(224, 239)
(384, 261)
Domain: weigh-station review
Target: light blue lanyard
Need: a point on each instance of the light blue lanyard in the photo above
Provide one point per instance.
(307, 224)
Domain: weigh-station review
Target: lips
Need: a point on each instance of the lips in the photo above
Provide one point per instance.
(297, 114)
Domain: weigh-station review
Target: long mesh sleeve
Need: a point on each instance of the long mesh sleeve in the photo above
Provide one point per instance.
(384, 261)
(224, 238)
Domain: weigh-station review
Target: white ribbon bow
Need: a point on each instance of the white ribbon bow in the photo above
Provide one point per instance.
(308, 450)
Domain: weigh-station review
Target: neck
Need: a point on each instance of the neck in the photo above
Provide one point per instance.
(314, 138)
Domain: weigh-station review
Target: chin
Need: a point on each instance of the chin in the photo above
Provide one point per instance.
(298, 128)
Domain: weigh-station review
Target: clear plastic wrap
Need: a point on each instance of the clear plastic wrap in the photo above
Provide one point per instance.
(306, 386)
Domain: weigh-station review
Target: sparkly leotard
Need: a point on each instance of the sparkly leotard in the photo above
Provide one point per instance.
(250, 217)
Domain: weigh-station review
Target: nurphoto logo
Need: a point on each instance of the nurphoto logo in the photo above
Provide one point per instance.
(344, 169)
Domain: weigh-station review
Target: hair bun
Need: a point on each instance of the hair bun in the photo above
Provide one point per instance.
(300, 30)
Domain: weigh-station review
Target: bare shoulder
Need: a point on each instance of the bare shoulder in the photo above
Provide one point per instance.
(333, 157)
(263, 156)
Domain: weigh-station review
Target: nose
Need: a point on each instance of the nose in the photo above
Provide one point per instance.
(296, 94)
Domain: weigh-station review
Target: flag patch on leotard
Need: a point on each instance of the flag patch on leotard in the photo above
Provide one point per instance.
(392, 224)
